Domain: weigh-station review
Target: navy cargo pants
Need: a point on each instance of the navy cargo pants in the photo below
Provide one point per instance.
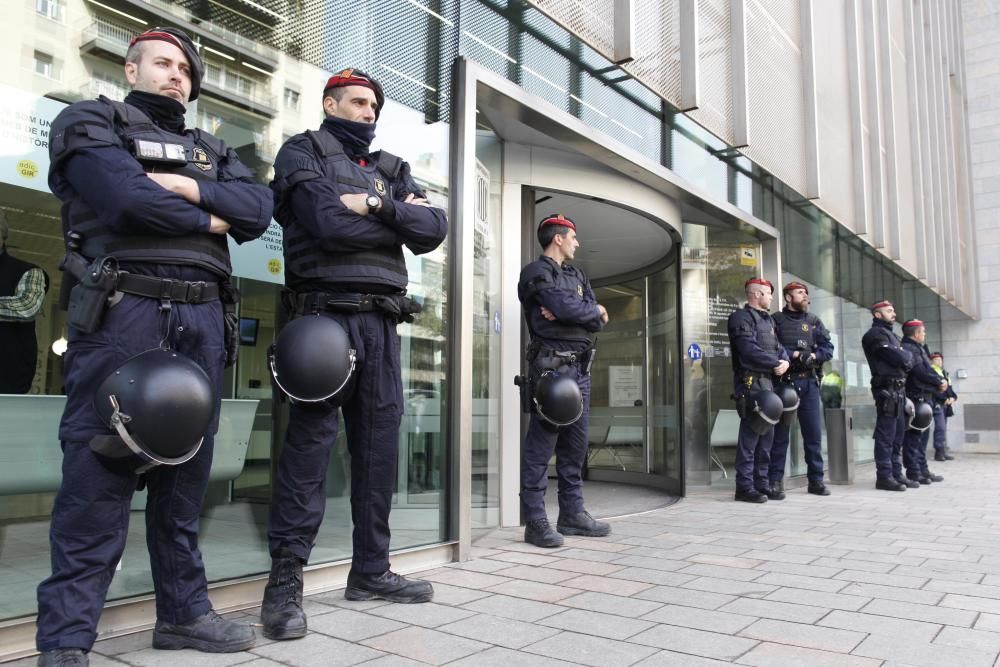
(753, 457)
(890, 428)
(569, 444)
(372, 403)
(940, 428)
(91, 512)
(810, 418)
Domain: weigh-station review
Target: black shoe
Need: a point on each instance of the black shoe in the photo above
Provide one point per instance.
(818, 489)
(209, 633)
(540, 533)
(909, 483)
(387, 586)
(281, 611)
(583, 524)
(64, 657)
(750, 496)
(889, 485)
(776, 491)
(943, 455)
(931, 477)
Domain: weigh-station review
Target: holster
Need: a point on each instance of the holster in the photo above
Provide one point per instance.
(887, 402)
(230, 296)
(95, 285)
(523, 383)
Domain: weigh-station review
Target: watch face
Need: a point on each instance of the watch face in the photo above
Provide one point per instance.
(373, 201)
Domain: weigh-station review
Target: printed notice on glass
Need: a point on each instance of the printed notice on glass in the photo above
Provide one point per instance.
(262, 258)
(624, 386)
(25, 123)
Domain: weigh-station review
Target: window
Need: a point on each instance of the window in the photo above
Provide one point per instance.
(44, 65)
(291, 99)
(52, 9)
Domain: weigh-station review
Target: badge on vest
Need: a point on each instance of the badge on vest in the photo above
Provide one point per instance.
(200, 159)
(160, 151)
(579, 291)
(805, 327)
(380, 187)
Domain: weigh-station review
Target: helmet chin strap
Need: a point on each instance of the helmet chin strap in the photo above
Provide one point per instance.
(118, 421)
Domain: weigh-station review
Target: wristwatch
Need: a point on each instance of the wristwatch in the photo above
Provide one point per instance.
(374, 203)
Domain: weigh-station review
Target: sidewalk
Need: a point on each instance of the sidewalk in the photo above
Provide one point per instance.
(862, 577)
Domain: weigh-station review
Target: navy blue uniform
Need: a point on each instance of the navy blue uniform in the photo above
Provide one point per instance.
(942, 411)
(803, 333)
(108, 197)
(889, 363)
(756, 351)
(922, 382)
(565, 291)
(329, 249)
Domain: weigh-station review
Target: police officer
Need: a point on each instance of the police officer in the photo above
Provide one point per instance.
(922, 382)
(943, 410)
(157, 200)
(889, 363)
(562, 315)
(758, 359)
(807, 343)
(347, 213)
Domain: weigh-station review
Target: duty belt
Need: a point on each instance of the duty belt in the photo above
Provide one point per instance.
(887, 381)
(398, 305)
(168, 289)
(802, 375)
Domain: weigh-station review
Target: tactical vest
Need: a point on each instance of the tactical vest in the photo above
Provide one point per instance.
(306, 261)
(915, 385)
(767, 340)
(194, 154)
(570, 279)
(871, 341)
(796, 333)
(17, 339)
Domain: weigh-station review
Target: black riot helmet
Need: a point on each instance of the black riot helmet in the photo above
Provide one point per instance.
(312, 359)
(180, 39)
(923, 417)
(765, 410)
(160, 404)
(909, 408)
(558, 398)
(790, 401)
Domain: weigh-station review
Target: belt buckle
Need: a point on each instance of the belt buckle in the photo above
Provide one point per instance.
(194, 291)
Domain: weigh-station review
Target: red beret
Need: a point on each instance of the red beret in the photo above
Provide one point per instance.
(759, 281)
(793, 286)
(880, 304)
(913, 323)
(937, 355)
(558, 219)
(355, 77)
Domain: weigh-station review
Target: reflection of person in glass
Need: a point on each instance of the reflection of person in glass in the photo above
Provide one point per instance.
(807, 342)
(22, 291)
(563, 315)
(758, 359)
(889, 364)
(143, 195)
(347, 212)
(831, 388)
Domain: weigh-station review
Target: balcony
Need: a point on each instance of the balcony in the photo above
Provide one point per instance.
(96, 87)
(106, 40)
(259, 103)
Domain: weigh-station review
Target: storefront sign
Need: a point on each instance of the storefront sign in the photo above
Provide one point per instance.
(748, 255)
(261, 259)
(25, 122)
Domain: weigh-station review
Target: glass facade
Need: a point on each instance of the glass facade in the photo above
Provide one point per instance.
(263, 84)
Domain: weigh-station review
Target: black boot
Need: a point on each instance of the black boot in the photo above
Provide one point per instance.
(583, 524)
(889, 485)
(281, 611)
(209, 633)
(540, 533)
(943, 455)
(387, 586)
(750, 496)
(818, 489)
(931, 477)
(909, 483)
(776, 491)
(64, 657)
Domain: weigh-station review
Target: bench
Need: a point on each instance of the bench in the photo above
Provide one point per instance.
(31, 459)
